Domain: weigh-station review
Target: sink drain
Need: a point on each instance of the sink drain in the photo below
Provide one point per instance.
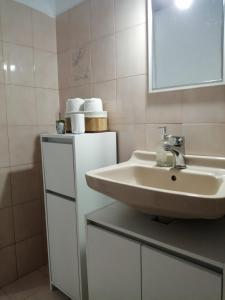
(173, 177)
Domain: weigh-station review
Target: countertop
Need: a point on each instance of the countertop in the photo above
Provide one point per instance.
(202, 241)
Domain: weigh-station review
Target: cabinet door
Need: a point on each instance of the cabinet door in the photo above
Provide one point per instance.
(62, 238)
(114, 270)
(166, 277)
(58, 168)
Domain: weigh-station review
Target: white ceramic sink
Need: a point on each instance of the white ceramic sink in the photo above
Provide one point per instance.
(195, 192)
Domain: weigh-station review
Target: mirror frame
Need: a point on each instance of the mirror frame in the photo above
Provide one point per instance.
(150, 57)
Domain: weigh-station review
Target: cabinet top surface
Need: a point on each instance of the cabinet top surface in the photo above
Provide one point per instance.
(202, 240)
(71, 136)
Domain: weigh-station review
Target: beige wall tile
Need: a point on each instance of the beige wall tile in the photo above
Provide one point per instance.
(23, 115)
(23, 145)
(16, 23)
(6, 227)
(46, 69)
(102, 18)
(130, 13)
(164, 107)
(47, 106)
(2, 63)
(79, 24)
(20, 64)
(107, 92)
(131, 51)
(204, 139)
(83, 91)
(204, 105)
(44, 31)
(28, 221)
(131, 100)
(21, 105)
(26, 183)
(130, 138)
(5, 188)
(65, 69)
(3, 119)
(46, 129)
(80, 65)
(153, 134)
(103, 59)
(25, 287)
(29, 255)
(8, 271)
(4, 149)
(64, 94)
(62, 32)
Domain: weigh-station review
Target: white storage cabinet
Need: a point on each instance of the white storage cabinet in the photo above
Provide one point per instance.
(65, 160)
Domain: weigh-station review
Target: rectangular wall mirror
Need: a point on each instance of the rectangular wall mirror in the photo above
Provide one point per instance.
(185, 44)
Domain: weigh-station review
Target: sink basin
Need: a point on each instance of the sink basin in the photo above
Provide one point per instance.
(195, 192)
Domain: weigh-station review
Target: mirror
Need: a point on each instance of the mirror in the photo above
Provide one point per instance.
(185, 44)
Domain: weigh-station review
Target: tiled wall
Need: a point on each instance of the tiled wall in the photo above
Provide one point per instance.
(29, 104)
(102, 52)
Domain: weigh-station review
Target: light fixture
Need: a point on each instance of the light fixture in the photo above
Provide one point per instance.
(183, 4)
(5, 67)
(12, 68)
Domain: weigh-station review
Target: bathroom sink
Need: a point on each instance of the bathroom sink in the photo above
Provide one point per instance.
(195, 192)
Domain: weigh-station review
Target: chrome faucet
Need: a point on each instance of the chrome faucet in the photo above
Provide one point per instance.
(175, 144)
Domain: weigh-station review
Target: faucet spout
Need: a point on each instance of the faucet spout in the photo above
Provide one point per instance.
(179, 157)
(175, 144)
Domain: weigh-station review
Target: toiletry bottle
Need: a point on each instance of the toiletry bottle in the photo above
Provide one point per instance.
(163, 158)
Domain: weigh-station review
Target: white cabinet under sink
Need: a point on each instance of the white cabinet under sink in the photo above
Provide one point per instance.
(66, 159)
(132, 256)
(114, 270)
(167, 277)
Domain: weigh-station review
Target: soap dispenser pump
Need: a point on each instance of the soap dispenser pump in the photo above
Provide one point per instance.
(163, 158)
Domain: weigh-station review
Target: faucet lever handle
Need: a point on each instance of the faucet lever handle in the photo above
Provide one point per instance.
(176, 141)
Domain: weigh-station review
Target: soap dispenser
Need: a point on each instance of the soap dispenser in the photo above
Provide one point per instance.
(163, 158)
